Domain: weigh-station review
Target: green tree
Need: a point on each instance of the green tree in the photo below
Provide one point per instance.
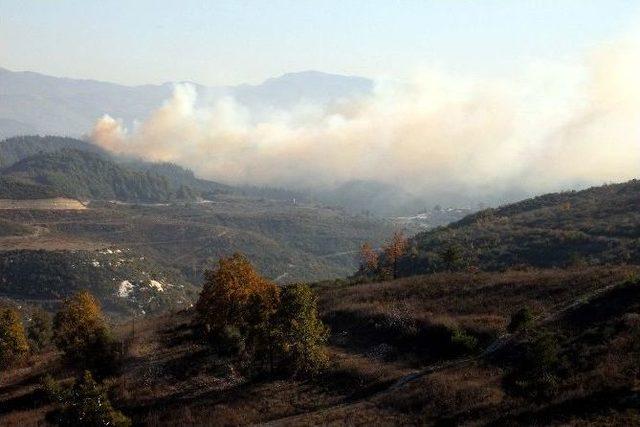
(536, 375)
(259, 335)
(80, 331)
(13, 340)
(39, 329)
(299, 334)
(84, 404)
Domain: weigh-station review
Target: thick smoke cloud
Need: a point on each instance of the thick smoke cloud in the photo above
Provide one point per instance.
(553, 126)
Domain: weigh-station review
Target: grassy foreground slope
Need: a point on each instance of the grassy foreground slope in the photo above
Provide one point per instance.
(170, 378)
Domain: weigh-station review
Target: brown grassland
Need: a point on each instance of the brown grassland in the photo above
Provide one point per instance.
(411, 351)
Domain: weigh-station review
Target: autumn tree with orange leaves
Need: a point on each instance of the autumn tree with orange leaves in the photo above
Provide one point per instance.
(81, 332)
(265, 327)
(392, 252)
(13, 340)
(230, 291)
(369, 260)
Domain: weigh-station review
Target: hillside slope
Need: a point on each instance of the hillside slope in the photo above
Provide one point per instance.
(124, 282)
(12, 150)
(587, 318)
(25, 189)
(16, 149)
(84, 175)
(595, 226)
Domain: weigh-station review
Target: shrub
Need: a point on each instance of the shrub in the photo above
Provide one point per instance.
(300, 335)
(462, 342)
(13, 340)
(81, 332)
(536, 375)
(452, 258)
(85, 403)
(520, 320)
(39, 329)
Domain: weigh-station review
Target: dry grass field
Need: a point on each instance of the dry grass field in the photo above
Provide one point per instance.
(385, 367)
(58, 203)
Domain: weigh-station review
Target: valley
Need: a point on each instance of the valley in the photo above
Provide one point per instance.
(474, 322)
(250, 213)
(162, 213)
(187, 238)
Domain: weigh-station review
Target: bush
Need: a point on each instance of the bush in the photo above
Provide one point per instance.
(13, 340)
(81, 332)
(536, 375)
(520, 320)
(300, 335)
(84, 404)
(452, 258)
(462, 342)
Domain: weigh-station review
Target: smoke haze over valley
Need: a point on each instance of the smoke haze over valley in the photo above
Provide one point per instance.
(551, 126)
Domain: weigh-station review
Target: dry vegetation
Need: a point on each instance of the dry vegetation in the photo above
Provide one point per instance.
(403, 313)
(292, 242)
(381, 373)
(59, 203)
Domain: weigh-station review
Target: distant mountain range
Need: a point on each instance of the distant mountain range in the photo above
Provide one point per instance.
(33, 103)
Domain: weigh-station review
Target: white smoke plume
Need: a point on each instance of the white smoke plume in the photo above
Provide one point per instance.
(553, 126)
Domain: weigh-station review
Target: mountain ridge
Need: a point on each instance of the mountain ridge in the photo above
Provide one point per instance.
(44, 104)
(589, 227)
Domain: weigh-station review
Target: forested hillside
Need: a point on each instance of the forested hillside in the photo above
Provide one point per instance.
(177, 176)
(18, 188)
(182, 183)
(14, 149)
(595, 226)
(123, 281)
(84, 175)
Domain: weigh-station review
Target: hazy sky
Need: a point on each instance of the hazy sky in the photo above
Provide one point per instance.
(231, 42)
